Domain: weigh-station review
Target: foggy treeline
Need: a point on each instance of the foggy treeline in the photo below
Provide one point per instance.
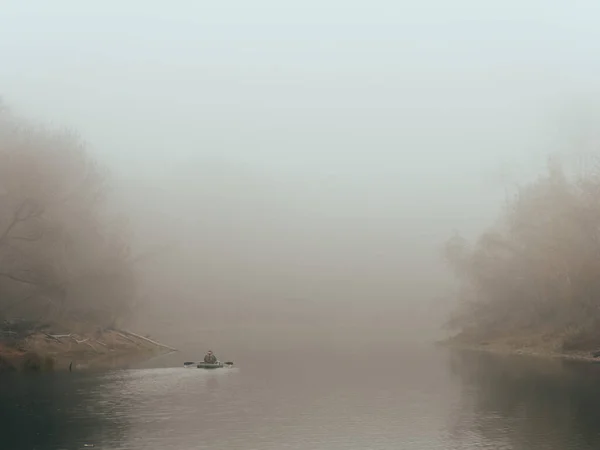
(64, 256)
(535, 273)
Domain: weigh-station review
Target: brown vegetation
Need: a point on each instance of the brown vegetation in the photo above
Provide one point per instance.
(533, 280)
(65, 262)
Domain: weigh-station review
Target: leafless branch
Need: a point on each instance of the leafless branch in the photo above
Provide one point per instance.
(25, 211)
(18, 279)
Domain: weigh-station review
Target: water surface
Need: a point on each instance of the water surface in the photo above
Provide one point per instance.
(377, 396)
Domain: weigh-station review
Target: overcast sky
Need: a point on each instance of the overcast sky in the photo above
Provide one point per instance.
(320, 150)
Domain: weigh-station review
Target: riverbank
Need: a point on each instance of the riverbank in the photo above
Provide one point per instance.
(61, 352)
(512, 346)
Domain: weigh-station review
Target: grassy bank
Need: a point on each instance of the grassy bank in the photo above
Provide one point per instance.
(536, 346)
(43, 351)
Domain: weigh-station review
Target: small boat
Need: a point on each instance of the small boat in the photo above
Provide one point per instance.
(204, 365)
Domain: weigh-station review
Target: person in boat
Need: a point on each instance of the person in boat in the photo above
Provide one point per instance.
(210, 358)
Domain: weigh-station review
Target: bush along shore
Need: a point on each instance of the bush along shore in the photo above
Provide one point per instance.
(530, 284)
(43, 350)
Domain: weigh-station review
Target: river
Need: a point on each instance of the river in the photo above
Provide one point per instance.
(378, 395)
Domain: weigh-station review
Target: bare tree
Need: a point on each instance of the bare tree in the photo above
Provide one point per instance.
(60, 251)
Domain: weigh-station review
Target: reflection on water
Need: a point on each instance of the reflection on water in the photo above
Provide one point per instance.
(410, 398)
(528, 403)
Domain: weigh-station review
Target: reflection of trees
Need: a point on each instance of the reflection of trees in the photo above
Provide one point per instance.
(528, 403)
(49, 412)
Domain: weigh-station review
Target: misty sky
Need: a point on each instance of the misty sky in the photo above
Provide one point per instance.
(316, 150)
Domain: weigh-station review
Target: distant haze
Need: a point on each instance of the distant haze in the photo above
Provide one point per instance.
(295, 161)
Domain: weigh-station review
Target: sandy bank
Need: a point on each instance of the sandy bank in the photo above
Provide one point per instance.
(507, 348)
(44, 351)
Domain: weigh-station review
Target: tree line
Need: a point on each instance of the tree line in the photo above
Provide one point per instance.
(64, 256)
(537, 270)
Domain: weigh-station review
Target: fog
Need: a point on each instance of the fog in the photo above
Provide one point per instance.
(304, 162)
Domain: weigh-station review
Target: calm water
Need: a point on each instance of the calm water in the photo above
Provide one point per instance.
(412, 397)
